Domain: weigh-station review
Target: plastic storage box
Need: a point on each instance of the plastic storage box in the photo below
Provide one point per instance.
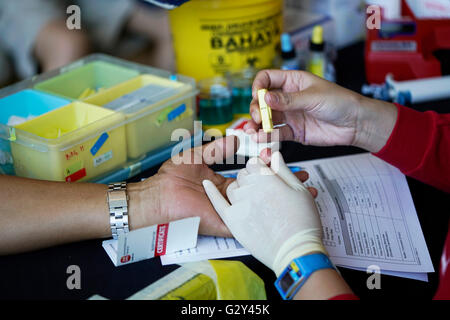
(94, 120)
(87, 79)
(82, 141)
(150, 121)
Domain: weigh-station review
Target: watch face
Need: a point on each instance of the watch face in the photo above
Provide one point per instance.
(286, 282)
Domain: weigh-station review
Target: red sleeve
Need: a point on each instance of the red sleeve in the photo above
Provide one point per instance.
(345, 297)
(420, 146)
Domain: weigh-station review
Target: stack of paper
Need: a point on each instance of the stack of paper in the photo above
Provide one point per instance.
(368, 219)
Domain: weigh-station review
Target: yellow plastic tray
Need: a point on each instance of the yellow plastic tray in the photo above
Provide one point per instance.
(149, 126)
(76, 142)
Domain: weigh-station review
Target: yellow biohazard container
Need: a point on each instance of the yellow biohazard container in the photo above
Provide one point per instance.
(74, 143)
(212, 37)
(206, 280)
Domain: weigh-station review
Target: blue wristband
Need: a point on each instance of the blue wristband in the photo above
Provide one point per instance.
(300, 269)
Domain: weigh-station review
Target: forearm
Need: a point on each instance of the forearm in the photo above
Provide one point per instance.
(323, 285)
(154, 24)
(419, 145)
(71, 44)
(375, 122)
(36, 214)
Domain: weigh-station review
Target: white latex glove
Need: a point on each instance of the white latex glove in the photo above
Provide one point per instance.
(272, 214)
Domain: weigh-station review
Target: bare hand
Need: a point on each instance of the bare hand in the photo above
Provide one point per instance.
(176, 191)
(321, 113)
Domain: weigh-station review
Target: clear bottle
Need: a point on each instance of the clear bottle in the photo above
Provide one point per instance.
(215, 104)
(317, 61)
(241, 87)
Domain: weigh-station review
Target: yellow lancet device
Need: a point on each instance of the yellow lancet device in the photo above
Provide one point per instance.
(266, 112)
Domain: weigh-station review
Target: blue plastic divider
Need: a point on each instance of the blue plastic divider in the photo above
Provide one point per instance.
(28, 103)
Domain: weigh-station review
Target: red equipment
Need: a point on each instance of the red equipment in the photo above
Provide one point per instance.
(409, 48)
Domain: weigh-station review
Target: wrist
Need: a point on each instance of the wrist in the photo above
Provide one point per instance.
(323, 284)
(299, 273)
(375, 122)
(143, 205)
(288, 252)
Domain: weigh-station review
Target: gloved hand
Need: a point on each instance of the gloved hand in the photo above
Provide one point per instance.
(272, 214)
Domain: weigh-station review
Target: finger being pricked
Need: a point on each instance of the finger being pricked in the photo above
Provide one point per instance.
(282, 133)
(266, 157)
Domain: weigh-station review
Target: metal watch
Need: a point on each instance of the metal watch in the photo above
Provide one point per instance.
(118, 208)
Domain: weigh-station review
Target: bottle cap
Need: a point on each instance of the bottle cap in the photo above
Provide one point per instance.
(287, 49)
(317, 43)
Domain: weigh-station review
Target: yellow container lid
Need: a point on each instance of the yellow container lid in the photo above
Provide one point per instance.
(74, 121)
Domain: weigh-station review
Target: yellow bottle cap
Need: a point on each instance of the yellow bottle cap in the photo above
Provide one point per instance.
(317, 36)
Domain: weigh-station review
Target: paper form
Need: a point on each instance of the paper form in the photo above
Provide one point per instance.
(421, 276)
(207, 248)
(367, 214)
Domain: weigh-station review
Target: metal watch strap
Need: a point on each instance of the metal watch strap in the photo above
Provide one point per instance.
(118, 208)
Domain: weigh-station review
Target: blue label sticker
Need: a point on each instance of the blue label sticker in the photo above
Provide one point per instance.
(176, 112)
(100, 142)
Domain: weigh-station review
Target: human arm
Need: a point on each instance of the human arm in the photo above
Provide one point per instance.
(36, 36)
(274, 216)
(419, 146)
(322, 113)
(36, 214)
(325, 284)
(154, 25)
(71, 45)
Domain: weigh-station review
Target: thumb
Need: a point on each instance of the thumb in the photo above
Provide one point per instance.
(291, 101)
(217, 199)
(278, 166)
